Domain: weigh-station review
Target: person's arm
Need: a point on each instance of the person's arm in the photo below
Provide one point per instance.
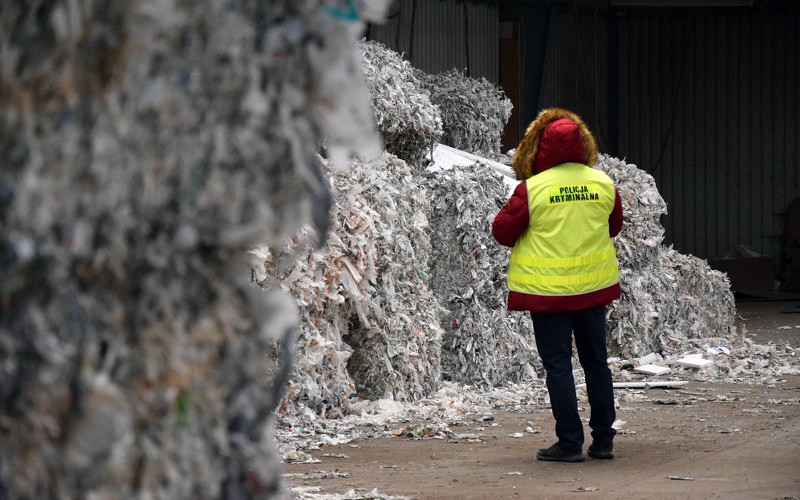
(615, 218)
(512, 220)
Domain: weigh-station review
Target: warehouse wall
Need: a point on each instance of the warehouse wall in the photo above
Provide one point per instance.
(706, 100)
(437, 36)
(709, 105)
(575, 64)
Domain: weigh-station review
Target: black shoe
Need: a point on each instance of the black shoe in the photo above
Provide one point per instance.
(557, 454)
(601, 450)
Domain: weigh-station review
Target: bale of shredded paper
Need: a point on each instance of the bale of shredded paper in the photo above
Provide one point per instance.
(407, 120)
(639, 242)
(145, 147)
(370, 321)
(402, 361)
(474, 110)
(667, 297)
(483, 344)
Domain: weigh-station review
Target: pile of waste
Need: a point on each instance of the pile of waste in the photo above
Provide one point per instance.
(474, 110)
(407, 120)
(395, 227)
(146, 147)
(483, 347)
(483, 344)
(370, 323)
(412, 288)
(162, 214)
(642, 235)
(667, 297)
(414, 110)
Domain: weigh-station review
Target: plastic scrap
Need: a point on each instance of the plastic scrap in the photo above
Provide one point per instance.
(694, 361)
(652, 369)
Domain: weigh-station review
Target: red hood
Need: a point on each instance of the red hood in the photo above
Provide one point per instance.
(556, 136)
(560, 142)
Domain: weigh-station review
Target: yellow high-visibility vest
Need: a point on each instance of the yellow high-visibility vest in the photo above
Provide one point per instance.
(566, 249)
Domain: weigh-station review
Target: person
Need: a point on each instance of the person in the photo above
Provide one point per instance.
(563, 269)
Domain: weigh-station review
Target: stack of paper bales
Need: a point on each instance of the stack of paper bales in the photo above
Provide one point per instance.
(413, 288)
(483, 344)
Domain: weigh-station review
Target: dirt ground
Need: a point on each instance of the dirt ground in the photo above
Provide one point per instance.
(697, 441)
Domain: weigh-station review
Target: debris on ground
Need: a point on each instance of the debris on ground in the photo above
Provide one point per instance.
(315, 493)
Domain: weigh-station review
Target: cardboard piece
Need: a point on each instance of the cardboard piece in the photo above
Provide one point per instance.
(748, 275)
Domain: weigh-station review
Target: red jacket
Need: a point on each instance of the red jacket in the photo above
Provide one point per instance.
(559, 140)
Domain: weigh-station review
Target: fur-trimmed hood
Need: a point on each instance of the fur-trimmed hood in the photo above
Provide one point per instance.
(556, 136)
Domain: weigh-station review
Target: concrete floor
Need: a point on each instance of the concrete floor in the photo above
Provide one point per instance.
(770, 320)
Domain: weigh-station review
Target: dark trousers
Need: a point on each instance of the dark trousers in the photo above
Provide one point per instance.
(553, 333)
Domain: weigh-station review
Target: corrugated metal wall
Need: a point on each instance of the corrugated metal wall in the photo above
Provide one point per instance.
(707, 101)
(438, 36)
(575, 68)
(709, 105)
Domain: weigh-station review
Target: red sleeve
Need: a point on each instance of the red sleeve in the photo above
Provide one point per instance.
(615, 218)
(512, 220)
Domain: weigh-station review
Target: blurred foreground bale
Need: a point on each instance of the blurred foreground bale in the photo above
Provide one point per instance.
(146, 146)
